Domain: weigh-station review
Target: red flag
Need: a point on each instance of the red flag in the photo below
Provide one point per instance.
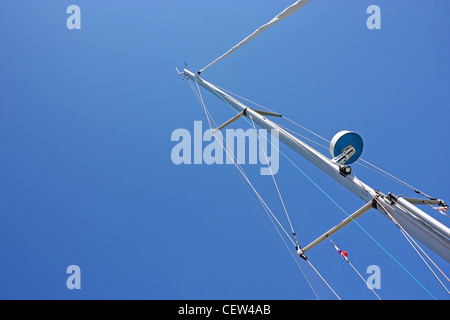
(344, 254)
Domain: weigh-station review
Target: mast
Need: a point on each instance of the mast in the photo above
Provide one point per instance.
(417, 223)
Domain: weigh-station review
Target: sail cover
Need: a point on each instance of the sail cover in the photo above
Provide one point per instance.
(283, 15)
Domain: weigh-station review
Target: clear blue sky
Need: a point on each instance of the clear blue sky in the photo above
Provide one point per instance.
(86, 118)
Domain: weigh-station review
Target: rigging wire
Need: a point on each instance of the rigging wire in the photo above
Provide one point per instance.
(287, 215)
(411, 241)
(408, 238)
(238, 167)
(302, 136)
(242, 174)
(401, 182)
(357, 272)
(265, 206)
(296, 262)
(329, 287)
(342, 209)
(275, 183)
(377, 169)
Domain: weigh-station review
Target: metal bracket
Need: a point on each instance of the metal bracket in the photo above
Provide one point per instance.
(344, 156)
(358, 213)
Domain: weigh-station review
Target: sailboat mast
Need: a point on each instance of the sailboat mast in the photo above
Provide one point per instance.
(432, 235)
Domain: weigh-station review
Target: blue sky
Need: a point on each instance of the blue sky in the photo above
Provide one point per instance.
(86, 117)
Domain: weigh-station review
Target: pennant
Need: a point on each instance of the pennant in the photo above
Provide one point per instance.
(344, 254)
